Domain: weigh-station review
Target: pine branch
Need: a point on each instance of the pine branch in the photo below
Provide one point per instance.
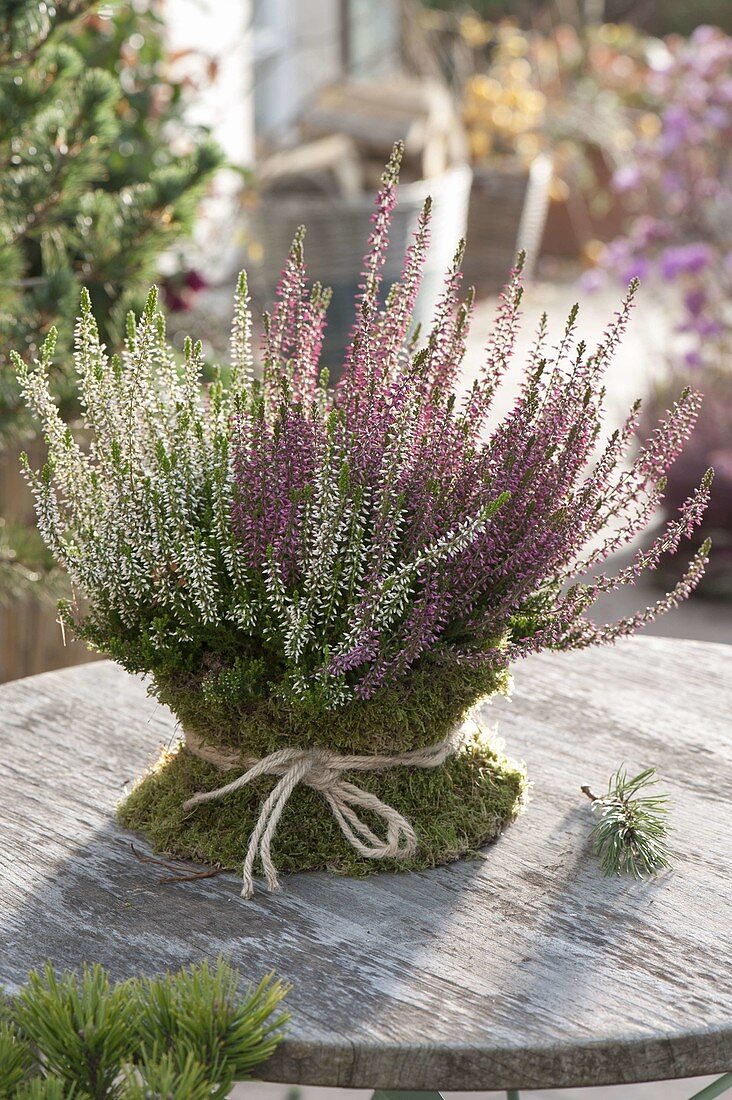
(187, 1036)
(16, 1059)
(630, 835)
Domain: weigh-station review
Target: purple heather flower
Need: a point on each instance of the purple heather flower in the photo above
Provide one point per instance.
(385, 525)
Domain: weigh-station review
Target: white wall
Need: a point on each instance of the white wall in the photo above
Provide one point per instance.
(219, 31)
(255, 65)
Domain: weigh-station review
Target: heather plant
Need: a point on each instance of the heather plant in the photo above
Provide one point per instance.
(351, 568)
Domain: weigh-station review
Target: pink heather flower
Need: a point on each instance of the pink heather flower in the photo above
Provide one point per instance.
(384, 526)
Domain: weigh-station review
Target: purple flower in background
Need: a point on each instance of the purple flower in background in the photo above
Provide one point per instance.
(717, 117)
(683, 177)
(648, 230)
(704, 35)
(627, 178)
(678, 127)
(686, 259)
(195, 281)
(695, 301)
(638, 267)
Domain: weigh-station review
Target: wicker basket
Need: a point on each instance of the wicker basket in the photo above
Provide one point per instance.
(508, 206)
(337, 230)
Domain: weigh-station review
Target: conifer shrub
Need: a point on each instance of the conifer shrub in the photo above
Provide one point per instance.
(345, 569)
(186, 1036)
(93, 188)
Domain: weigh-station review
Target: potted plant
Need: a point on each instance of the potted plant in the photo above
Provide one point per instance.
(322, 583)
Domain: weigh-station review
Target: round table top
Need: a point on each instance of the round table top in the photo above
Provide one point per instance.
(523, 968)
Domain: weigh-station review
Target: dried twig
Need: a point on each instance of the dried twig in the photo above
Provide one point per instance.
(180, 870)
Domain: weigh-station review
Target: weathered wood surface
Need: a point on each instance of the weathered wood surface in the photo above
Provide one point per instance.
(525, 968)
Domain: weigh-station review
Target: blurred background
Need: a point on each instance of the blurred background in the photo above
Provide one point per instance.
(177, 141)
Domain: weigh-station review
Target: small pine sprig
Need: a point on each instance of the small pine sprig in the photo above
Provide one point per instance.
(166, 1076)
(82, 1024)
(48, 1088)
(630, 836)
(199, 1018)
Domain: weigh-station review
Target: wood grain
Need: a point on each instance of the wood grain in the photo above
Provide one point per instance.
(523, 969)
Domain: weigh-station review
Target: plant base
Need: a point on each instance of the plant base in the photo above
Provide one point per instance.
(455, 809)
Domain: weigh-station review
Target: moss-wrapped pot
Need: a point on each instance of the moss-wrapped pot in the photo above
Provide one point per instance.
(454, 808)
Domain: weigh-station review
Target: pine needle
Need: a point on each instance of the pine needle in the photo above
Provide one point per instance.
(630, 836)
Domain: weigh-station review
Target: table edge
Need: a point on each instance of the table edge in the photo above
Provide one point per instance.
(654, 1058)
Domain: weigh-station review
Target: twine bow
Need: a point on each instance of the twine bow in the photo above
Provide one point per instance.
(322, 770)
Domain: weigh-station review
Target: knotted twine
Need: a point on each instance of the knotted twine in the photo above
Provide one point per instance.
(322, 770)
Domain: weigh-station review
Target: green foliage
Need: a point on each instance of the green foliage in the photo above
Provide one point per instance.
(194, 1017)
(16, 1060)
(127, 41)
(48, 1088)
(72, 210)
(419, 709)
(17, 575)
(83, 1025)
(185, 1036)
(167, 1077)
(630, 835)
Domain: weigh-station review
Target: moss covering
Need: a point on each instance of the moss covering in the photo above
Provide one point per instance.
(454, 809)
(417, 710)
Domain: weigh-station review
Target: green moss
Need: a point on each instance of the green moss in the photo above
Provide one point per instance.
(454, 809)
(417, 710)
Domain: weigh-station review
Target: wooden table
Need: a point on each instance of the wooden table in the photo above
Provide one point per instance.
(522, 969)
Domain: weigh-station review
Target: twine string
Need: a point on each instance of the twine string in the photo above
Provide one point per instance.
(322, 770)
